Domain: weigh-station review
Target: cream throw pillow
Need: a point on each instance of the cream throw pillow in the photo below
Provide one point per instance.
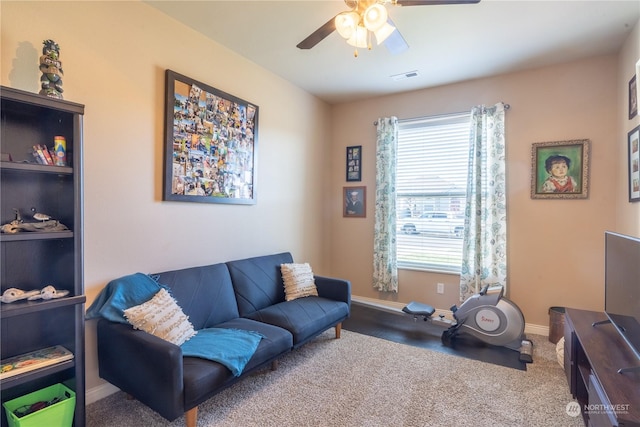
(161, 316)
(298, 281)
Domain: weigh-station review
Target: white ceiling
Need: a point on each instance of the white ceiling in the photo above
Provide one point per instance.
(447, 43)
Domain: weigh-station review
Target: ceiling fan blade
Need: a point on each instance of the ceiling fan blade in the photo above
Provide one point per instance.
(318, 35)
(395, 43)
(434, 2)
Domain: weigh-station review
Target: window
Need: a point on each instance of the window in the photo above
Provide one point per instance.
(430, 191)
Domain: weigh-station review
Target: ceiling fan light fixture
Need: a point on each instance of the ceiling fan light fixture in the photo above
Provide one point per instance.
(375, 16)
(347, 23)
(359, 38)
(384, 32)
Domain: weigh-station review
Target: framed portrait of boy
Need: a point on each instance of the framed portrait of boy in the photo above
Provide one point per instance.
(560, 169)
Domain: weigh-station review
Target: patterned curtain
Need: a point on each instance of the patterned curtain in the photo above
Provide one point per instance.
(484, 252)
(385, 268)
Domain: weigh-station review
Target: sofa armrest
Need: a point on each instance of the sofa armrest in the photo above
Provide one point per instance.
(335, 289)
(143, 365)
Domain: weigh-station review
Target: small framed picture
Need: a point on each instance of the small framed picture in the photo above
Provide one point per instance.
(633, 98)
(355, 202)
(560, 170)
(354, 163)
(634, 164)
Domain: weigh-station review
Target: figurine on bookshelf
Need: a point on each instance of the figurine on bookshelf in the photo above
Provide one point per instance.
(48, 292)
(14, 294)
(40, 216)
(44, 224)
(51, 67)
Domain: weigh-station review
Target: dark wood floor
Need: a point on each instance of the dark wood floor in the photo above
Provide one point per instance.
(402, 328)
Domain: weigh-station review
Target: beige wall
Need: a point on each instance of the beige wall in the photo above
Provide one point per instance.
(627, 214)
(114, 55)
(555, 250)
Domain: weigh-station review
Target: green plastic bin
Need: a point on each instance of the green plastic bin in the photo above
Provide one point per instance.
(59, 414)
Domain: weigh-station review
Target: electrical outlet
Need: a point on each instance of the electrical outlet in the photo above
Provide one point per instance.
(440, 288)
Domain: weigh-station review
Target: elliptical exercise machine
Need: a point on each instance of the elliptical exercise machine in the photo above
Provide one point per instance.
(487, 316)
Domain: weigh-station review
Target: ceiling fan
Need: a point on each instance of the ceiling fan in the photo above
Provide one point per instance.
(368, 19)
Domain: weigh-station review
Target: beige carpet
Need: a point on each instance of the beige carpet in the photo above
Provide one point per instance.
(360, 380)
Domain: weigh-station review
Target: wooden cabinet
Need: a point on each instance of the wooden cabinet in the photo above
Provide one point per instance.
(32, 260)
(592, 356)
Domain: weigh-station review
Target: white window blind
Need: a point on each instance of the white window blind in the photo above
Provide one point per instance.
(430, 191)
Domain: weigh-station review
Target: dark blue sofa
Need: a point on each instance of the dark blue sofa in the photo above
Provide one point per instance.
(244, 294)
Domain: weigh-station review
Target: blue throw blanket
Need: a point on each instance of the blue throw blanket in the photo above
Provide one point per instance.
(122, 293)
(231, 347)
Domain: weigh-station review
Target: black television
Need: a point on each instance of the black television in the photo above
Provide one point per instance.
(622, 287)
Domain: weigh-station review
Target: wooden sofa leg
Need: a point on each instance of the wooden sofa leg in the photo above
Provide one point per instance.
(191, 417)
(274, 365)
(338, 329)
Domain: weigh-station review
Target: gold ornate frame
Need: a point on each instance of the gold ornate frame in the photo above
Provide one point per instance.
(573, 152)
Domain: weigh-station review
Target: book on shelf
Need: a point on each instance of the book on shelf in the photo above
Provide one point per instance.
(42, 155)
(39, 155)
(47, 154)
(33, 360)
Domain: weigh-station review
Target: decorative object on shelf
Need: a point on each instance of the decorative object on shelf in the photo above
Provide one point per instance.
(49, 292)
(15, 294)
(18, 217)
(42, 226)
(633, 141)
(560, 169)
(60, 150)
(355, 202)
(354, 163)
(45, 223)
(210, 144)
(40, 216)
(51, 67)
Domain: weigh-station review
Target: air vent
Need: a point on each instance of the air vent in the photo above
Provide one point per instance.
(406, 75)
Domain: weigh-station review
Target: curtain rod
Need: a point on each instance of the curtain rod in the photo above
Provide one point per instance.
(506, 107)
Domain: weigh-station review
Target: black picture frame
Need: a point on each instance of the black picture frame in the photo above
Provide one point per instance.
(633, 98)
(211, 141)
(633, 144)
(354, 163)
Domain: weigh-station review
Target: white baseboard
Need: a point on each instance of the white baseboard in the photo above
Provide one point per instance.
(396, 307)
(100, 392)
